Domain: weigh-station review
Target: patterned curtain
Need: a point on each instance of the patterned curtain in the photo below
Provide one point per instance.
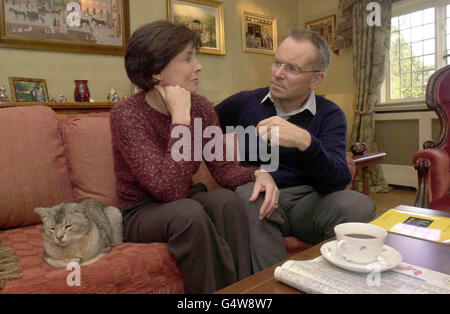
(370, 55)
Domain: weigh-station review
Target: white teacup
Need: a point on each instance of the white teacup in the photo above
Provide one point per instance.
(359, 242)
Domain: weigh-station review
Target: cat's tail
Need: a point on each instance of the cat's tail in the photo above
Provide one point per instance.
(115, 219)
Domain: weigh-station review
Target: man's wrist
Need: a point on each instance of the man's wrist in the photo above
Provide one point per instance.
(255, 174)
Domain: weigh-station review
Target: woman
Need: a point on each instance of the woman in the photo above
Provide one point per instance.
(207, 232)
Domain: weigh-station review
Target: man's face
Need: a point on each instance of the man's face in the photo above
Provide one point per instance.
(286, 85)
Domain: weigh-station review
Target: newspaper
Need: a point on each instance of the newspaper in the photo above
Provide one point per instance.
(320, 276)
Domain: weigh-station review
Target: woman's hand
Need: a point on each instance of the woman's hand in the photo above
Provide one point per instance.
(264, 183)
(178, 103)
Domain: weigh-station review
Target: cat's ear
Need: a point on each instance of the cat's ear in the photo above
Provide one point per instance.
(42, 211)
(82, 206)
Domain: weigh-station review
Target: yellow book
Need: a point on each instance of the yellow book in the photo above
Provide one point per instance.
(418, 225)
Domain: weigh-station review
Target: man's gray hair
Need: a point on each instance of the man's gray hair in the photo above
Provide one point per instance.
(323, 57)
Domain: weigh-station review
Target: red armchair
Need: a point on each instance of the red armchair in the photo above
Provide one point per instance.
(432, 163)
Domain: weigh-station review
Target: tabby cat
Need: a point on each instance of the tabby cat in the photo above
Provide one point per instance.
(79, 232)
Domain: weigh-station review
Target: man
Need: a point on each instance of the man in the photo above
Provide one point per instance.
(313, 171)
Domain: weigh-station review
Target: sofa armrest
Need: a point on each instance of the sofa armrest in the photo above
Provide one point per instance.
(432, 167)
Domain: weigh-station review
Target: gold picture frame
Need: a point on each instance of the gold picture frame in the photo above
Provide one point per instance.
(259, 33)
(326, 27)
(203, 16)
(95, 26)
(28, 89)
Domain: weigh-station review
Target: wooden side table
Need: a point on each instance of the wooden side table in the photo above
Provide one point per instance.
(364, 164)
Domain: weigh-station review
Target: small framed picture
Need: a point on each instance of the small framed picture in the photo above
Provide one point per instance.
(259, 33)
(325, 27)
(206, 17)
(28, 89)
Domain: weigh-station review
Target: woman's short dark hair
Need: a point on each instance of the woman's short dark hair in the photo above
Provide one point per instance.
(152, 46)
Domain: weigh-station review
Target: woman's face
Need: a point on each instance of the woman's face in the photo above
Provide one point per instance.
(182, 70)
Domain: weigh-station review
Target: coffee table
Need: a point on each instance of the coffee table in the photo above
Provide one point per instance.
(428, 254)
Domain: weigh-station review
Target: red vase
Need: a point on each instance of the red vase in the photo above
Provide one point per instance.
(81, 91)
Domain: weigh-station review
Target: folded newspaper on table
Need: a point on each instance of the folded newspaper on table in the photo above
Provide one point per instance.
(320, 276)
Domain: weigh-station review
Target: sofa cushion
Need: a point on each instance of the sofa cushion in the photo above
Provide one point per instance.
(87, 141)
(128, 268)
(33, 166)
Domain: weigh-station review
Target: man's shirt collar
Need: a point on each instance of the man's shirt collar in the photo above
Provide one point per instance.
(309, 104)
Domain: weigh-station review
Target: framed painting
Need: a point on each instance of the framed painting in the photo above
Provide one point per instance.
(203, 16)
(89, 26)
(325, 27)
(259, 33)
(28, 89)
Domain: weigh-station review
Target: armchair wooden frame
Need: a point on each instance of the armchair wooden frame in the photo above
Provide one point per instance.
(423, 165)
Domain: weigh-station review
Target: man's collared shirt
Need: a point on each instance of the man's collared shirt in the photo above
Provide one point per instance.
(309, 104)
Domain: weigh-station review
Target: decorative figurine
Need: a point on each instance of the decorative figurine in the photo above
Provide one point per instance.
(113, 96)
(358, 148)
(62, 98)
(3, 97)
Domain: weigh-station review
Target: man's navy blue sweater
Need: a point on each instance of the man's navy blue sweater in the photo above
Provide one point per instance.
(322, 165)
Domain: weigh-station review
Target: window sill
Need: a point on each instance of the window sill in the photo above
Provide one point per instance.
(406, 105)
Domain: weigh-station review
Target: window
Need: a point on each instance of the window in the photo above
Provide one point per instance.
(420, 44)
(412, 54)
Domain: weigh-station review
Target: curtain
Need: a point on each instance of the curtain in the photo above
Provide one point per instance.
(370, 54)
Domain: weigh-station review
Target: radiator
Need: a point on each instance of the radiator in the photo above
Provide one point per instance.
(400, 135)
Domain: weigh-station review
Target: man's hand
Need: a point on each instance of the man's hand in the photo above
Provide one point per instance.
(289, 135)
(264, 183)
(178, 103)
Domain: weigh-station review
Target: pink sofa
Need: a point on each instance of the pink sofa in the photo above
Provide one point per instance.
(47, 159)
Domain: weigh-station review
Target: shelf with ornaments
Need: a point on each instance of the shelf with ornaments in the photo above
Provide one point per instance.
(67, 107)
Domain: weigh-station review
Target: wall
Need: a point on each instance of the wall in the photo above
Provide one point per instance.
(338, 83)
(222, 75)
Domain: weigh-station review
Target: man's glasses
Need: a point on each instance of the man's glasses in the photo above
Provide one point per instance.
(290, 68)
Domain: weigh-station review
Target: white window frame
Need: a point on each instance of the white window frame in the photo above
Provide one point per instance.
(405, 7)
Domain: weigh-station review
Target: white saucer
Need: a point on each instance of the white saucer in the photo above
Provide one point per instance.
(388, 259)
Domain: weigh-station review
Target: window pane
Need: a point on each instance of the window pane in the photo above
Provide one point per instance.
(426, 76)
(417, 79)
(417, 63)
(405, 51)
(405, 80)
(394, 40)
(448, 41)
(417, 33)
(394, 24)
(416, 18)
(395, 68)
(406, 92)
(405, 35)
(395, 87)
(428, 31)
(429, 46)
(405, 21)
(417, 48)
(428, 15)
(448, 25)
(417, 91)
(405, 66)
(429, 62)
(448, 10)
